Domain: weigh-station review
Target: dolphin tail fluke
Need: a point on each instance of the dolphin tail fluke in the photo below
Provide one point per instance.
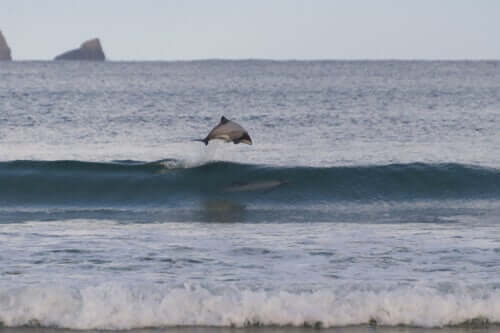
(205, 141)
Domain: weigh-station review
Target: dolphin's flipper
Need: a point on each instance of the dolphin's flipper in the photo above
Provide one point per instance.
(245, 138)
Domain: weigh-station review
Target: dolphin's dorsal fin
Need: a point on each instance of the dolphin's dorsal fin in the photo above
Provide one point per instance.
(223, 120)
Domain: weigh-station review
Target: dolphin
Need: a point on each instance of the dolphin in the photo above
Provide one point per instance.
(228, 131)
(265, 185)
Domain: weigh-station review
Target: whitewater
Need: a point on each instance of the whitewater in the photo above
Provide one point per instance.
(369, 199)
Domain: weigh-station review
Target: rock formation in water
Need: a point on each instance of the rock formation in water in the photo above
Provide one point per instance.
(4, 48)
(89, 50)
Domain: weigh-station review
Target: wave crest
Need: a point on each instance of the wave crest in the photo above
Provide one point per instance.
(169, 181)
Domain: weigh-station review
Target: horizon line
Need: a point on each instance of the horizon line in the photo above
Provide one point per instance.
(270, 60)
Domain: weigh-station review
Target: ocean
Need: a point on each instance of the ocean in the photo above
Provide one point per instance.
(369, 200)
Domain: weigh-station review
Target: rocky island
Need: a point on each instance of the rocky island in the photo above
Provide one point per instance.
(89, 50)
(4, 48)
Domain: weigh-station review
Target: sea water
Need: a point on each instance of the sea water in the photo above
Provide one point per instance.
(369, 200)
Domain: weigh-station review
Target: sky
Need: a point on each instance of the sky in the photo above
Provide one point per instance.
(260, 29)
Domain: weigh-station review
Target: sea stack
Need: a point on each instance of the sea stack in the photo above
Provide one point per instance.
(4, 48)
(89, 50)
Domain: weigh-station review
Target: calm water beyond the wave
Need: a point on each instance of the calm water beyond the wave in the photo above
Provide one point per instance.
(370, 199)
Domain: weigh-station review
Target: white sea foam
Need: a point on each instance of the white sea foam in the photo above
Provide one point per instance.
(192, 156)
(118, 306)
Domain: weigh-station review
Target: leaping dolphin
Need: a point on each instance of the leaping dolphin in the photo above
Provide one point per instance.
(228, 131)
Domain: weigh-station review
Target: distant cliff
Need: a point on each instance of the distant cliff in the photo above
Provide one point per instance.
(4, 48)
(89, 50)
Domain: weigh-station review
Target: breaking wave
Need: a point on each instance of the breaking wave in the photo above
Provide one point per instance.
(168, 181)
(117, 306)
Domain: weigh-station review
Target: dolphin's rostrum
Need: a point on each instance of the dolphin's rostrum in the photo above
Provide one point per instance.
(228, 131)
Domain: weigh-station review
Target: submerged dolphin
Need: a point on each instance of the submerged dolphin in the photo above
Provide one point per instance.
(265, 185)
(229, 131)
